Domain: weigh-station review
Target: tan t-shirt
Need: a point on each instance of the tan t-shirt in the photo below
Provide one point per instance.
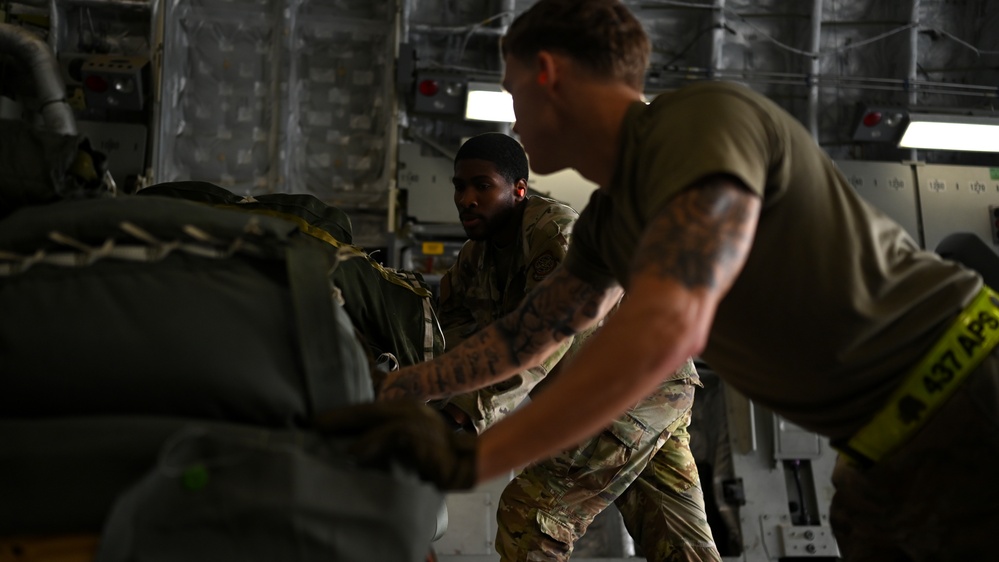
(836, 302)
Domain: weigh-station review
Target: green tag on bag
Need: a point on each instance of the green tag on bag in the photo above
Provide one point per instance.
(194, 477)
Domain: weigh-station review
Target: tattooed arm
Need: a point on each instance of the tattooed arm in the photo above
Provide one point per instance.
(559, 307)
(687, 260)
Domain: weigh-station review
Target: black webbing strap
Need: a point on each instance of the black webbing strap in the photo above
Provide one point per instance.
(330, 369)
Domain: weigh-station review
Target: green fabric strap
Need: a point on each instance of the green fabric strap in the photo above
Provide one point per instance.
(326, 367)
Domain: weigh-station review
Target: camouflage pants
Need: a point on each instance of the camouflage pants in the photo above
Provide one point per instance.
(647, 471)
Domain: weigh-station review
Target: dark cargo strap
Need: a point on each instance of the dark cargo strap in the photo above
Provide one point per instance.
(328, 372)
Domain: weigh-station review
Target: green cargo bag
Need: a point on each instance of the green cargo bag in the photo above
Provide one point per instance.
(234, 493)
(391, 308)
(129, 323)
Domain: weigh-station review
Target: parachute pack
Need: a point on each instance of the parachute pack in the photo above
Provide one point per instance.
(161, 360)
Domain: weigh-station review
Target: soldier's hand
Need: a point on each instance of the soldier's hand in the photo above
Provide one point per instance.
(409, 432)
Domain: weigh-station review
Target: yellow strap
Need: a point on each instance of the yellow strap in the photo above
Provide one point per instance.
(965, 345)
(54, 548)
(351, 250)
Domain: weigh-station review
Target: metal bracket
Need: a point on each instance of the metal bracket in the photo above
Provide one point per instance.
(807, 541)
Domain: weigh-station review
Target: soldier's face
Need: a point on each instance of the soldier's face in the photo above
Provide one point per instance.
(486, 200)
(536, 125)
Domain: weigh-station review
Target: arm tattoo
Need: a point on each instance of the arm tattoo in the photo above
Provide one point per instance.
(467, 362)
(702, 237)
(545, 315)
(554, 311)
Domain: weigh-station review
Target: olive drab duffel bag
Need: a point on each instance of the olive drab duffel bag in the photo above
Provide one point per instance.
(391, 308)
(161, 361)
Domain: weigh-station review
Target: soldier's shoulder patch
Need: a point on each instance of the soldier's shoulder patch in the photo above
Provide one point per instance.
(543, 265)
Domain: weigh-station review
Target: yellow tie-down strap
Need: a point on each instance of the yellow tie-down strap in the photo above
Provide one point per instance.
(342, 247)
(967, 342)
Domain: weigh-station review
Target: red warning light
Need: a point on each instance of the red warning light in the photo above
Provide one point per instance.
(872, 118)
(429, 88)
(95, 83)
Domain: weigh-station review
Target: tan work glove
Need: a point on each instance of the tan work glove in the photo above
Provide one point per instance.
(412, 433)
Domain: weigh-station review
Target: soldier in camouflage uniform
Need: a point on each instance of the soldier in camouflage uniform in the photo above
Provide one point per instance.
(642, 462)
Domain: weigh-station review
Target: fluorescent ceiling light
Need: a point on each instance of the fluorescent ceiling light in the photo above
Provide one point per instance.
(488, 102)
(951, 132)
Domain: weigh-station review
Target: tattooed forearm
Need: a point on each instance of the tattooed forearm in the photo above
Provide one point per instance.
(545, 316)
(471, 365)
(557, 308)
(704, 235)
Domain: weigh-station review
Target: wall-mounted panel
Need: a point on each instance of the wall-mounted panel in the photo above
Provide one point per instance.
(427, 182)
(957, 199)
(889, 186)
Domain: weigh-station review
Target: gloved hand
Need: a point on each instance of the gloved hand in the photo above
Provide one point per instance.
(413, 433)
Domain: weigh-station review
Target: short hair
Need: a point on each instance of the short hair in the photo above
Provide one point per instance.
(603, 36)
(502, 150)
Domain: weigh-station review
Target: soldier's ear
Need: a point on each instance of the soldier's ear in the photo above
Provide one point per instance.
(520, 189)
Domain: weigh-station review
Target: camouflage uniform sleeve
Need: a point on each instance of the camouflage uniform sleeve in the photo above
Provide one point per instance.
(547, 242)
(457, 322)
